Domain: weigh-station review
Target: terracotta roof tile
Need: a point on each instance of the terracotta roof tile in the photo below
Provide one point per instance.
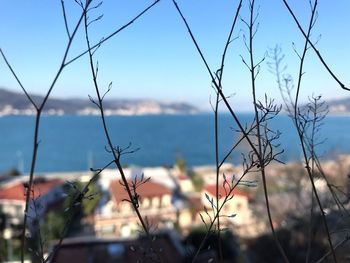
(211, 189)
(127, 251)
(183, 177)
(17, 191)
(147, 190)
(195, 202)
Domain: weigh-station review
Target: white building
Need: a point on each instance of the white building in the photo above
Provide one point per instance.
(44, 193)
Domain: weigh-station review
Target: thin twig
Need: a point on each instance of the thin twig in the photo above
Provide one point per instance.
(227, 197)
(77, 199)
(114, 33)
(39, 108)
(116, 155)
(341, 243)
(218, 165)
(217, 168)
(36, 131)
(307, 38)
(219, 90)
(65, 18)
(301, 134)
(229, 40)
(17, 79)
(307, 143)
(260, 155)
(217, 87)
(109, 140)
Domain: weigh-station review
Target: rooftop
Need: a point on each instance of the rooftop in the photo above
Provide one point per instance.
(211, 189)
(166, 245)
(147, 190)
(16, 191)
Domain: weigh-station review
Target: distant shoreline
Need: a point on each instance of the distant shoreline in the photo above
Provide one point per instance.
(344, 157)
(71, 142)
(107, 115)
(45, 114)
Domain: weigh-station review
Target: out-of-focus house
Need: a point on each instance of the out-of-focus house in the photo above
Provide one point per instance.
(185, 183)
(237, 210)
(208, 172)
(44, 194)
(238, 205)
(189, 217)
(161, 175)
(117, 217)
(166, 247)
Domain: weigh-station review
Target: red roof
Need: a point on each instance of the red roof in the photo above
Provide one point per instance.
(211, 189)
(80, 250)
(147, 190)
(17, 191)
(195, 202)
(183, 177)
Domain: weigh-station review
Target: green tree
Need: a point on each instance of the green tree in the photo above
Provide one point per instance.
(228, 240)
(52, 227)
(3, 254)
(197, 181)
(56, 220)
(2, 240)
(90, 200)
(11, 172)
(180, 163)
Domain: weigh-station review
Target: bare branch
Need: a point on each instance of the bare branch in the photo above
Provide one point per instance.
(17, 79)
(65, 18)
(104, 39)
(307, 38)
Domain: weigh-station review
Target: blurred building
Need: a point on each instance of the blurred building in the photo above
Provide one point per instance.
(44, 194)
(117, 216)
(236, 212)
(163, 247)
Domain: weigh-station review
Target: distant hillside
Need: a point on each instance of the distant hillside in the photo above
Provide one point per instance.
(341, 106)
(13, 103)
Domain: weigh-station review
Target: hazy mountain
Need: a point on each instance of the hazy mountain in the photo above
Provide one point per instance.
(339, 106)
(13, 103)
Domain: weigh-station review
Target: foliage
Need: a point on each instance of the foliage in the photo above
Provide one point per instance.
(2, 220)
(12, 172)
(2, 240)
(290, 244)
(197, 180)
(89, 203)
(3, 253)
(295, 242)
(228, 240)
(52, 227)
(180, 163)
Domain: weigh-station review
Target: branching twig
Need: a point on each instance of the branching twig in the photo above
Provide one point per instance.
(302, 121)
(256, 151)
(116, 152)
(301, 132)
(226, 198)
(39, 107)
(104, 39)
(307, 38)
(260, 155)
(80, 195)
(65, 18)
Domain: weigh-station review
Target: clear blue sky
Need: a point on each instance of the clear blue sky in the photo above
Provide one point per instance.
(155, 58)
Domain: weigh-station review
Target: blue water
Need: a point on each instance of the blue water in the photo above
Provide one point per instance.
(70, 143)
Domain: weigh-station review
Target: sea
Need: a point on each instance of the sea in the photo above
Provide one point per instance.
(78, 143)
